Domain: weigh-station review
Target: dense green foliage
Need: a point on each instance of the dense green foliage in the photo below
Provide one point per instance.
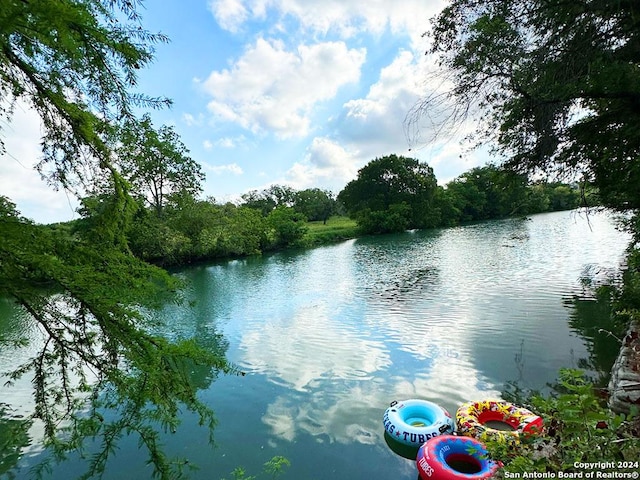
(392, 193)
(578, 428)
(279, 217)
(195, 230)
(553, 85)
(313, 203)
(395, 193)
(75, 64)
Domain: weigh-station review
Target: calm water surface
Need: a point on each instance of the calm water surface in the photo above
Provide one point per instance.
(328, 337)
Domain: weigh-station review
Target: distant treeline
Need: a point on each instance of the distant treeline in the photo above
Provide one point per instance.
(394, 193)
(390, 194)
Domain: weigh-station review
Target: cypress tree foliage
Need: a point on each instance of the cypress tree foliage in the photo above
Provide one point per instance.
(75, 63)
(554, 85)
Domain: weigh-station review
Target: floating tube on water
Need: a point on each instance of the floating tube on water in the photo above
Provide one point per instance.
(449, 457)
(471, 418)
(413, 422)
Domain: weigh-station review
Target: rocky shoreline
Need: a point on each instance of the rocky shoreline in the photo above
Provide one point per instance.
(624, 385)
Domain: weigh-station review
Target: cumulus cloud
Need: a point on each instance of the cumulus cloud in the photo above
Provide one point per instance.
(369, 127)
(230, 14)
(378, 118)
(272, 89)
(345, 17)
(19, 181)
(373, 126)
(326, 165)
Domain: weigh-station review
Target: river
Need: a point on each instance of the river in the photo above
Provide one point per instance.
(328, 337)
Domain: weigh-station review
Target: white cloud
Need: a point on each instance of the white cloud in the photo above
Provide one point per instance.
(378, 118)
(326, 165)
(191, 120)
(374, 126)
(230, 14)
(225, 142)
(370, 127)
(345, 17)
(272, 89)
(19, 181)
(233, 168)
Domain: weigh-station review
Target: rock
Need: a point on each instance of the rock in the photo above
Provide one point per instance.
(624, 385)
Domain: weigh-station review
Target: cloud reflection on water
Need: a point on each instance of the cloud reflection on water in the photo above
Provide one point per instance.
(435, 316)
(341, 380)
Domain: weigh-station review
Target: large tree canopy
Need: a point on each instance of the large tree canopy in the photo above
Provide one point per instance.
(554, 84)
(392, 193)
(488, 192)
(156, 163)
(75, 63)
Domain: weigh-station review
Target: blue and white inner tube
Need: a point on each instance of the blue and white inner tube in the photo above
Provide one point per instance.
(413, 422)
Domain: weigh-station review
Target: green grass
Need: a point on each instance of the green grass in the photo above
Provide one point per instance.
(336, 229)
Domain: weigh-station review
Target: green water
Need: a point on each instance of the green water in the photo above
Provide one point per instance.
(329, 337)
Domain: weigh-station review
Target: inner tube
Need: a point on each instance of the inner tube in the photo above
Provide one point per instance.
(413, 422)
(449, 457)
(471, 418)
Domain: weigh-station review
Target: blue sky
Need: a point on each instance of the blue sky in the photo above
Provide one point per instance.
(295, 92)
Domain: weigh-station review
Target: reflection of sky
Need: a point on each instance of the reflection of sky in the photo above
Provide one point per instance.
(347, 329)
(311, 347)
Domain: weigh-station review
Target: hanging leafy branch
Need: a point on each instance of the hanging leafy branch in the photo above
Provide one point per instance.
(553, 86)
(75, 62)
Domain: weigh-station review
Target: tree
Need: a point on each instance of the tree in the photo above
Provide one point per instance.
(156, 163)
(393, 181)
(315, 204)
(287, 226)
(258, 201)
(563, 197)
(75, 63)
(282, 195)
(553, 85)
(269, 198)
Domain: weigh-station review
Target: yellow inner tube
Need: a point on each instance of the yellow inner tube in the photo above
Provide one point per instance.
(471, 419)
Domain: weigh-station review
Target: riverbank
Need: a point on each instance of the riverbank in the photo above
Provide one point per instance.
(335, 229)
(624, 385)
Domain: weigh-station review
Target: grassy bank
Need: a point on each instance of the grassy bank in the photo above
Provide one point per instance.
(336, 229)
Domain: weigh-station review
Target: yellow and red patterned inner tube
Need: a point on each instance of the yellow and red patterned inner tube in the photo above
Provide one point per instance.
(471, 418)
